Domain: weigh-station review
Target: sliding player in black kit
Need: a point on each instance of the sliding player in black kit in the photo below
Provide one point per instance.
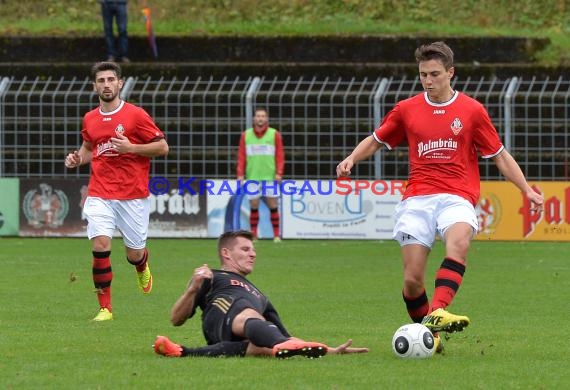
(237, 319)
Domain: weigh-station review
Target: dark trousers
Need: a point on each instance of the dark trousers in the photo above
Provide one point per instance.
(118, 11)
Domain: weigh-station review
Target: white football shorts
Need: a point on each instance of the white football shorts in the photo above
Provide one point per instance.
(420, 218)
(131, 217)
(255, 189)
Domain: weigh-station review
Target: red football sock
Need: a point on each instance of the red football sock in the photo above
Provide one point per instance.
(141, 264)
(254, 221)
(102, 277)
(447, 281)
(275, 221)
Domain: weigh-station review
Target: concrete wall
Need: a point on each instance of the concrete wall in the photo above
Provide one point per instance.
(361, 56)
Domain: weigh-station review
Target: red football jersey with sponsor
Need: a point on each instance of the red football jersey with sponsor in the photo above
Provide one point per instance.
(114, 175)
(444, 141)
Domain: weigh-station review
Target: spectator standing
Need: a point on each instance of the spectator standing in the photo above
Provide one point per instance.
(261, 158)
(115, 11)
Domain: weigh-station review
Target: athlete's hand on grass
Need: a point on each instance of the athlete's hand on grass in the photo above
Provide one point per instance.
(346, 348)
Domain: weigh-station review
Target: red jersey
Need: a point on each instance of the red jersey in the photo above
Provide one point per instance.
(444, 141)
(114, 175)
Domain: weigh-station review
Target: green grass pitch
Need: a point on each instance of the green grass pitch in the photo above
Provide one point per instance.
(516, 294)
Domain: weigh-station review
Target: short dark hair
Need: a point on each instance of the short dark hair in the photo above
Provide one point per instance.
(227, 238)
(261, 109)
(106, 65)
(435, 51)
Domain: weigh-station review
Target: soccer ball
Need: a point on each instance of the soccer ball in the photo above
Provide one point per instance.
(413, 341)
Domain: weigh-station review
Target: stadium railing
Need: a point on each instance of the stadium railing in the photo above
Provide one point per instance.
(321, 121)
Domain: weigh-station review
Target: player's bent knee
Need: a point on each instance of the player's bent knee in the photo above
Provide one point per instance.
(239, 321)
(135, 255)
(413, 287)
(101, 244)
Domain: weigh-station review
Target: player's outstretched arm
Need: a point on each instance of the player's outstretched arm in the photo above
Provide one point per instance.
(366, 148)
(512, 171)
(346, 348)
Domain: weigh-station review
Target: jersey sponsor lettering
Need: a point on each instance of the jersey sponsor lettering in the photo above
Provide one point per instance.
(260, 150)
(229, 284)
(106, 148)
(435, 148)
(247, 288)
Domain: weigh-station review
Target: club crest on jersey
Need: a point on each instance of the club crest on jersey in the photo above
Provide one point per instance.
(120, 129)
(456, 126)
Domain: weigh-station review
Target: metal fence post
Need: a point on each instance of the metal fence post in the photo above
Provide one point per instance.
(508, 107)
(127, 88)
(377, 118)
(249, 101)
(3, 88)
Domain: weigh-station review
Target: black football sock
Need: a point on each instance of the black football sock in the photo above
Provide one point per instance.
(224, 348)
(263, 333)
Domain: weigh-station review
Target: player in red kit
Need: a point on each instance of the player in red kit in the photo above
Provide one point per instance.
(118, 140)
(445, 131)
